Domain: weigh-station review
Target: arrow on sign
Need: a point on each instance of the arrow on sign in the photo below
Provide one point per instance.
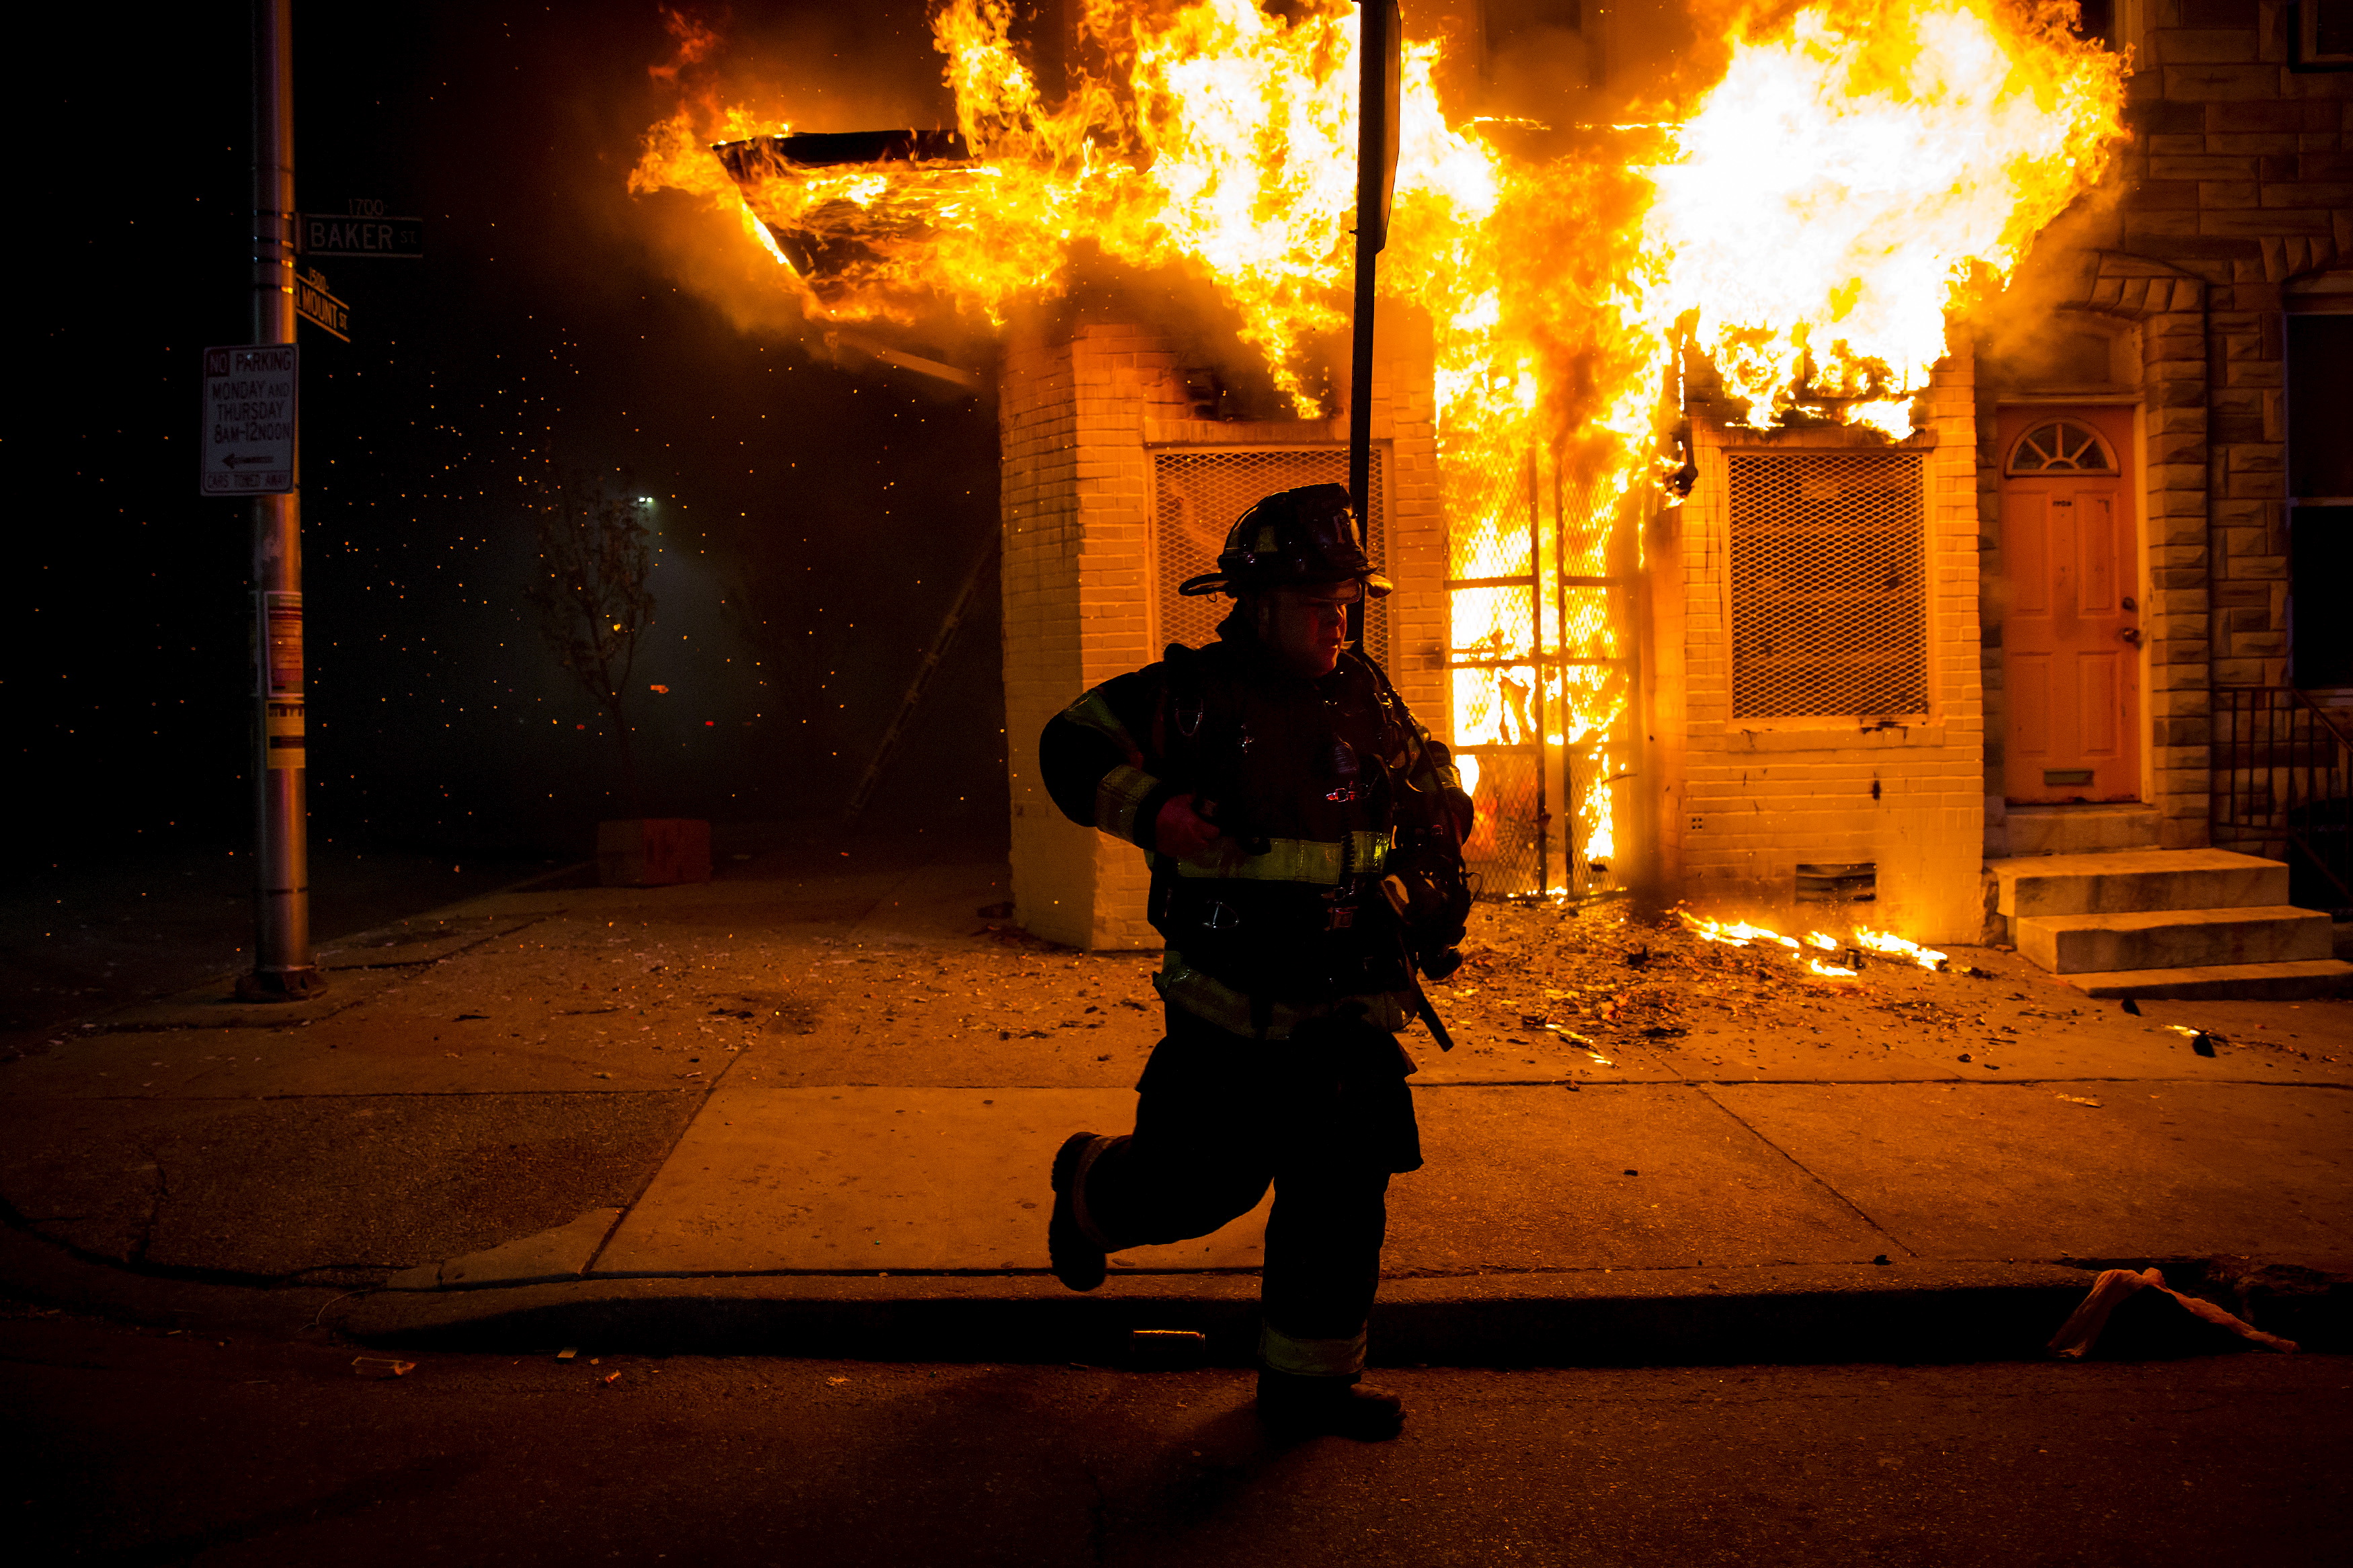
(233, 459)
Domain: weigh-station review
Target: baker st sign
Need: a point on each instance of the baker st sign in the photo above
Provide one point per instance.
(249, 438)
(370, 234)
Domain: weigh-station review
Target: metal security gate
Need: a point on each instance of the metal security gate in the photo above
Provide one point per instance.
(1540, 580)
(1196, 493)
(1827, 562)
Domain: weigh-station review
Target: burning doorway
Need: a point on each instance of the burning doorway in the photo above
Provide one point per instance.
(1542, 582)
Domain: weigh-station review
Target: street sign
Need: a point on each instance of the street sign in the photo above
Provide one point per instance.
(313, 300)
(249, 438)
(385, 238)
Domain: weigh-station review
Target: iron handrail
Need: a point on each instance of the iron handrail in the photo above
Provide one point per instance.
(2261, 747)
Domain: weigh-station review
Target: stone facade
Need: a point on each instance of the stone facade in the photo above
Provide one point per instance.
(1082, 409)
(2238, 182)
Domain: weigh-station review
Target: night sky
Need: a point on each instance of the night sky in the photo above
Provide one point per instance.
(815, 523)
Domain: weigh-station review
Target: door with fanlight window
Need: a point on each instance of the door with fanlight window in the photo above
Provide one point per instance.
(2071, 633)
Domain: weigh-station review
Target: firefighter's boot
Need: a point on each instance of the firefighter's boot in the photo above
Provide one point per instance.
(1077, 1262)
(1293, 1407)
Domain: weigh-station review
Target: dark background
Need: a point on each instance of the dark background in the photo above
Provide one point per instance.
(814, 522)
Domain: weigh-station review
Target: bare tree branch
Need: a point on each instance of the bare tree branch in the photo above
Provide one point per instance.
(594, 599)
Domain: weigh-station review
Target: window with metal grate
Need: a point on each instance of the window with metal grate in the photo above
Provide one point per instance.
(1827, 562)
(1198, 492)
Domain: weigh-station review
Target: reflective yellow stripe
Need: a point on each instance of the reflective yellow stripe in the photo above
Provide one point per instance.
(1278, 1351)
(1305, 861)
(1214, 1001)
(1285, 860)
(1119, 794)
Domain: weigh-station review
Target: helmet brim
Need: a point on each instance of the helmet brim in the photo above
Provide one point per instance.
(1376, 585)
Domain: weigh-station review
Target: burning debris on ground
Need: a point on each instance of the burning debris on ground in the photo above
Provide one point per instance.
(1552, 976)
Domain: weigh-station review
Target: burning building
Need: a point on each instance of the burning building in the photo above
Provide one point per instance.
(1836, 458)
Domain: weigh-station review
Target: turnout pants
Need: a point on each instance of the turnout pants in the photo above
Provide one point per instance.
(1325, 1116)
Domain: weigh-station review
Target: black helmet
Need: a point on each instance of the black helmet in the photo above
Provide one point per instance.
(1290, 538)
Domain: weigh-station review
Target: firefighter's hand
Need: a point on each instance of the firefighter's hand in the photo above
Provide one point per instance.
(1181, 832)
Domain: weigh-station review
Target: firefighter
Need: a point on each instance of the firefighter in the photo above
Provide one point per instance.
(1303, 835)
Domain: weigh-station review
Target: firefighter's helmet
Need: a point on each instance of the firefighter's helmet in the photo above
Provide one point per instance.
(1290, 539)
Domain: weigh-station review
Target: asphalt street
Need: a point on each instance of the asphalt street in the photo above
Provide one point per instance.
(135, 1446)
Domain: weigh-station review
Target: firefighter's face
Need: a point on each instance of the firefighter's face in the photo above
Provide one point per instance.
(1307, 626)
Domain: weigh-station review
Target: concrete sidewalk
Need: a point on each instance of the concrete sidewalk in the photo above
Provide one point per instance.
(809, 1107)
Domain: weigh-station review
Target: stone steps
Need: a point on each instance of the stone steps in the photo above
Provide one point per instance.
(2167, 923)
(2080, 829)
(2296, 981)
(2135, 880)
(2173, 939)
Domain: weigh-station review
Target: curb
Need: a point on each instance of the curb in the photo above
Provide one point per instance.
(1909, 1313)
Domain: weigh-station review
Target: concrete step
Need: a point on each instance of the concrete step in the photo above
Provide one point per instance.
(2172, 938)
(2081, 829)
(2295, 982)
(2134, 879)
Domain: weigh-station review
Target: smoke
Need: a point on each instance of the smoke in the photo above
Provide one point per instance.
(857, 69)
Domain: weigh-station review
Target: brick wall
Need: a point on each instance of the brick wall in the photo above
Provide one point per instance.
(1082, 408)
(1760, 796)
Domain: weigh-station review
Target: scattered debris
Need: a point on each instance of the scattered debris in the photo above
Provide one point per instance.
(381, 1366)
(2114, 1287)
(2078, 1100)
(567, 1352)
(2200, 1040)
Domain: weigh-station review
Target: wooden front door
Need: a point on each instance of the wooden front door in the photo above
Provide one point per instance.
(2071, 635)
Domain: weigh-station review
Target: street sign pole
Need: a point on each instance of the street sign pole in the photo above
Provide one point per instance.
(283, 968)
(1378, 42)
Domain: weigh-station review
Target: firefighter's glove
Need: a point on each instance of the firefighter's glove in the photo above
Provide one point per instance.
(1180, 832)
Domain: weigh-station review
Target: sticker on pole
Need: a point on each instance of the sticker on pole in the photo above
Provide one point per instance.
(248, 441)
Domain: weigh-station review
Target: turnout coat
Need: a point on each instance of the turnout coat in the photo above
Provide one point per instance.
(1308, 781)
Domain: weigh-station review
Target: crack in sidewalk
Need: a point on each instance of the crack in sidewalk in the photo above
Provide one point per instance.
(1853, 1207)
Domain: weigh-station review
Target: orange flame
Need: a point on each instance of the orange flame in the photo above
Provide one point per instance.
(1895, 946)
(1740, 933)
(1861, 173)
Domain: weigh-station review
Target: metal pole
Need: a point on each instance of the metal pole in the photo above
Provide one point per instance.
(1375, 168)
(283, 968)
(1537, 675)
(1377, 90)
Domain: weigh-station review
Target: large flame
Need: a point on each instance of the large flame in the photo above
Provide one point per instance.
(1803, 227)
(1859, 173)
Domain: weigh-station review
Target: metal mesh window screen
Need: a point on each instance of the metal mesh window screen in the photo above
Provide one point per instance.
(1826, 563)
(1196, 496)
